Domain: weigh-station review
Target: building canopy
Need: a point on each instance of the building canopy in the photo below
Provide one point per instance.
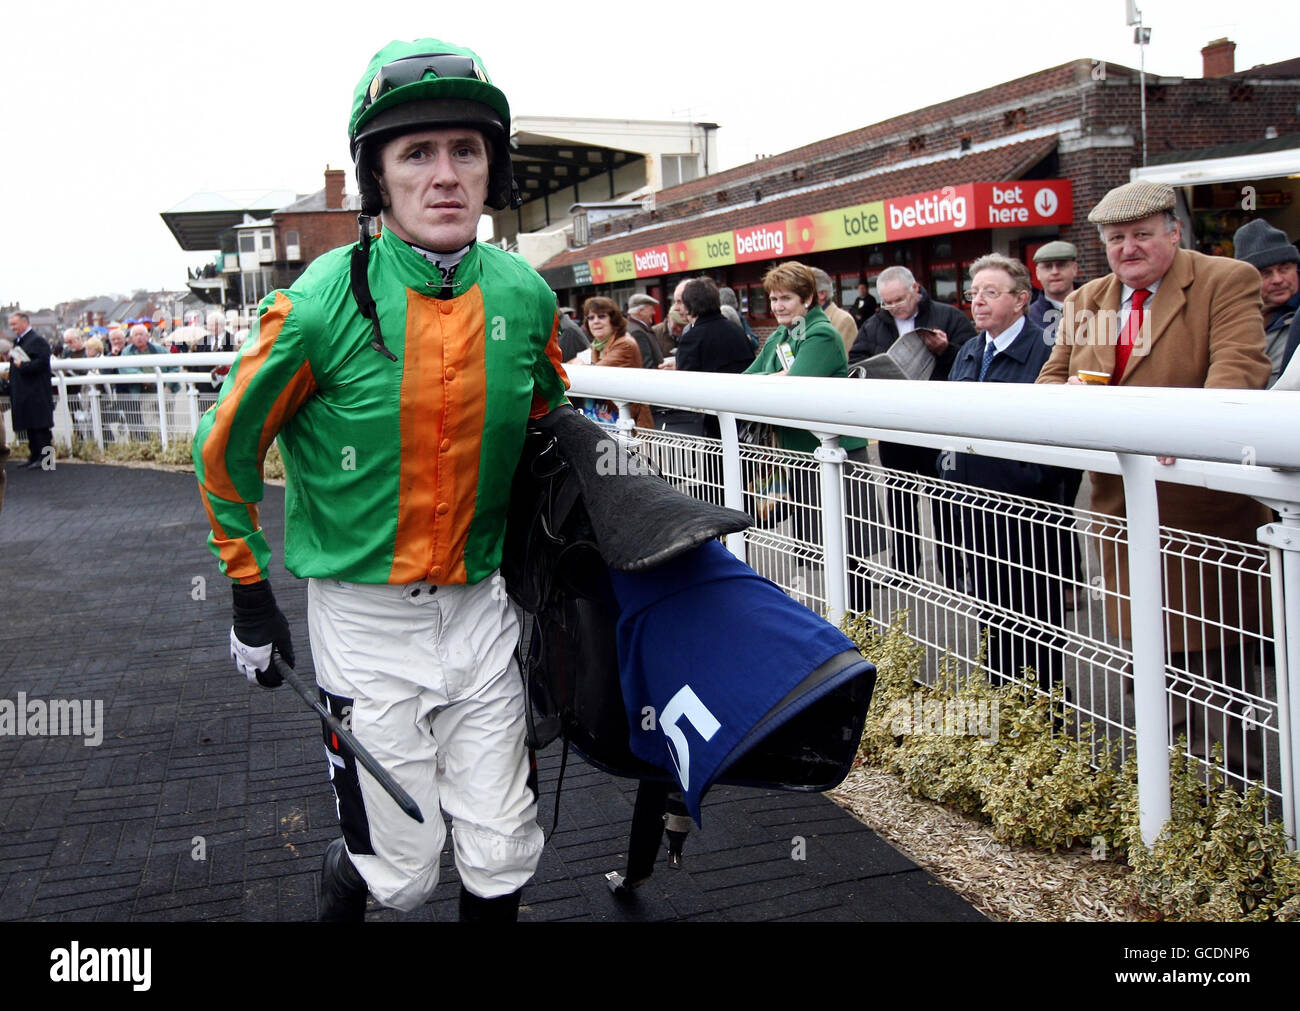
(197, 220)
(1269, 158)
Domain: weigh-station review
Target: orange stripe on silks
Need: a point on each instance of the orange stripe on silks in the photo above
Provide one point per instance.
(464, 403)
(292, 397)
(420, 433)
(216, 477)
(213, 522)
(540, 407)
(237, 555)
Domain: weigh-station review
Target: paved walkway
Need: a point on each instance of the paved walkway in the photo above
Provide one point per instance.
(206, 800)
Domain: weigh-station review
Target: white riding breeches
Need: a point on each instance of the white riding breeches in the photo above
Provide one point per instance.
(425, 677)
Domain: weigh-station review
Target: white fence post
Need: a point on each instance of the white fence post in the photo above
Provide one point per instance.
(626, 423)
(733, 481)
(830, 456)
(96, 419)
(1284, 569)
(65, 420)
(162, 407)
(192, 396)
(1145, 616)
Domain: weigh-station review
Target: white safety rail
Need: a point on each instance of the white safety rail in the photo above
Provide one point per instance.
(130, 399)
(999, 582)
(987, 580)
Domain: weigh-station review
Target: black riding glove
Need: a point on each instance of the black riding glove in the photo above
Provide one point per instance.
(260, 631)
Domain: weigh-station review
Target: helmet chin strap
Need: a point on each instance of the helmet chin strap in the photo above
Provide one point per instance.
(360, 284)
(360, 281)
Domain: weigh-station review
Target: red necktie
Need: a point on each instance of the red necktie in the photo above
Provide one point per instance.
(1131, 327)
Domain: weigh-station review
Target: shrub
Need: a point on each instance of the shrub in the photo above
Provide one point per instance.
(1037, 784)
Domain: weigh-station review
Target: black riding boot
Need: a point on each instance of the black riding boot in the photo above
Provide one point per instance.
(342, 890)
(502, 909)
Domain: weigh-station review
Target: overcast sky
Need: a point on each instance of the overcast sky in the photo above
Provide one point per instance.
(117, 112)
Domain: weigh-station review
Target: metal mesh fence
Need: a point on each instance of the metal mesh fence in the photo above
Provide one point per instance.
(1017, 589)
(122, 413)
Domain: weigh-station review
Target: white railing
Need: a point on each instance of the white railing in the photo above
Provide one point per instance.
(913, 542)
(1236, 441)
(125, 399)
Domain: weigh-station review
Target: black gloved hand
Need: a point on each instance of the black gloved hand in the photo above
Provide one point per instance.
(259, 632)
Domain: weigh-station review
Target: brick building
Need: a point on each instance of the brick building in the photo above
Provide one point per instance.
(264, 240)
(1004, 169)
(313, 225)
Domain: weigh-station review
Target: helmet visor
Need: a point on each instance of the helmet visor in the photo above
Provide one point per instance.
(410, 69)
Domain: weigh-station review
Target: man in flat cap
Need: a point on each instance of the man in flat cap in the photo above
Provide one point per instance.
(1056, 265)
(1268, 250)
(1167, 316)
(640, 318)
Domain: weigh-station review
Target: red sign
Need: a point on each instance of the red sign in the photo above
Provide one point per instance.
(761, 242)
(935, 212)
(1024, 202)
(652, 261)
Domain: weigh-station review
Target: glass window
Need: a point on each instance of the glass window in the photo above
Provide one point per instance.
(670, 170)
(247, 244)
(945, 282)
(757, 301)
(678, 168)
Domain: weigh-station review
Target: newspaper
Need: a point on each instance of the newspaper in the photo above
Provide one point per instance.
(907, 358)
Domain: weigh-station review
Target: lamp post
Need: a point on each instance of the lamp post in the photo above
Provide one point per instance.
(1141, 36)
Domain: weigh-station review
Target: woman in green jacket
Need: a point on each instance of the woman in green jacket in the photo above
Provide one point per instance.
(807, 344)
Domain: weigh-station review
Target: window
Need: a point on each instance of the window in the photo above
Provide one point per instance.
(679, 168)
(945, 282)
(247, 243)
(581, 229)
(757, 301)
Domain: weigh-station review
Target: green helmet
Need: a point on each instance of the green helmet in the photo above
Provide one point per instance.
(428, 84)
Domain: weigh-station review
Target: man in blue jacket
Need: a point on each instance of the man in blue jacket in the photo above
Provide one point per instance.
(1012, 553)
(906, 306)
(1057, 265)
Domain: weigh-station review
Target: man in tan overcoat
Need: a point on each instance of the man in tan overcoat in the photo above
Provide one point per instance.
(1198, 325)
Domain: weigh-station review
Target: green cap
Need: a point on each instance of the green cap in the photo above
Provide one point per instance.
(383, 87)
(1056, 250)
